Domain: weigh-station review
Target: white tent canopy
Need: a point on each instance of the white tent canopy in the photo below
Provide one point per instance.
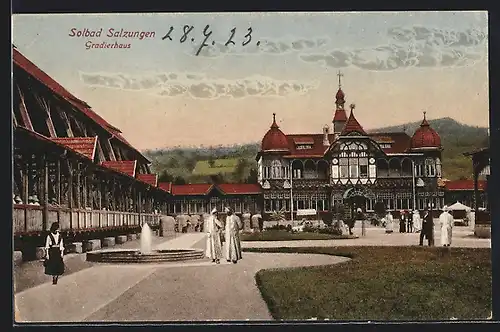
(458, 207)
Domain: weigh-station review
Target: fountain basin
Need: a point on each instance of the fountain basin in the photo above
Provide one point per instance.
(135, 256)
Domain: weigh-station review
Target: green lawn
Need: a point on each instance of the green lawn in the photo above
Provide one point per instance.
(275, 235)
(220, 166)
(382, 283)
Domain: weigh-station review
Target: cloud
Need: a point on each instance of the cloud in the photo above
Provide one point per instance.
(198, 85)
(273, 47)
(410, 47)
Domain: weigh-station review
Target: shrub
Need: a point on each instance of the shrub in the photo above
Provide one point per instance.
(278, 228)
(330, 230)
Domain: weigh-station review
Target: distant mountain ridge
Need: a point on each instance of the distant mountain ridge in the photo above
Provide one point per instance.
(180, 162)
(446, 128)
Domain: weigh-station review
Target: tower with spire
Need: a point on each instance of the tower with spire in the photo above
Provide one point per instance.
(340, 116)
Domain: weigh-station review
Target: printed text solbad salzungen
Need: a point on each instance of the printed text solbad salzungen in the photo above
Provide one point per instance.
(110, 33)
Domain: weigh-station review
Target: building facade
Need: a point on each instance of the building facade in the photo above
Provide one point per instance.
(345, 164)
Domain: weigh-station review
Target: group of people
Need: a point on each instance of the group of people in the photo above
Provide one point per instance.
(424, 225)
(232, 244)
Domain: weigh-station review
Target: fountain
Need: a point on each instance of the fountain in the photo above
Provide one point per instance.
(146, 254)
(145, 239)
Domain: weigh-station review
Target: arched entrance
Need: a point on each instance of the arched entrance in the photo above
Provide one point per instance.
(356, 197)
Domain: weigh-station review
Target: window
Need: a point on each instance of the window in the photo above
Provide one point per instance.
(419, 170)
(344, 168)
(267, 205)
(275, 169)
(353, 167)
(430, 168)
(363, 168)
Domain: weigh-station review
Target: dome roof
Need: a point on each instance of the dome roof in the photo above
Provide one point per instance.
(425, 137)
(274, 139)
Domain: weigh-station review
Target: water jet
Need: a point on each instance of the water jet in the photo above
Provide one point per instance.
(145, 254)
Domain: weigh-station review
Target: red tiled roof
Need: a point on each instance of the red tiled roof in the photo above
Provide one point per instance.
(167, 186)
(191, 189)
(240, 188)
(83, 145)
(124, 166)
(317, 151)
(465, 185)
(400, 141)
(352, 125)
(21, 61)
(151, 179)
(303, 140)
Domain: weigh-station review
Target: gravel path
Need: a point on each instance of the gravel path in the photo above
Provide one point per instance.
(169, 292)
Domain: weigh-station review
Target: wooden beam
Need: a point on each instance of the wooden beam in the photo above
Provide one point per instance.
(24, 112)
(44, 104)
(64, 117)
(77, 187)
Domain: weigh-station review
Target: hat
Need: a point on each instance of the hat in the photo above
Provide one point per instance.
(445, 208)
(214, 211)
(227, 209)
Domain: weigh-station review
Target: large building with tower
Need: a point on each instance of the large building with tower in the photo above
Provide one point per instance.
(343, 163)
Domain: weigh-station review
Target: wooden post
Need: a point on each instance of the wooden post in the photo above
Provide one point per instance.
(26, 174)
(58, 181)
(45, 216)
(70, 192)
(139, 195)
(85, 187)
(78, 196)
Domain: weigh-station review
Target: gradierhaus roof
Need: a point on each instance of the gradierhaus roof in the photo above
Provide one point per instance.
(29, 67)
(166, 186)
(240, 188)
(459, 185)
(151, 179)
(83, 145)
(124, 166)
(202, 189)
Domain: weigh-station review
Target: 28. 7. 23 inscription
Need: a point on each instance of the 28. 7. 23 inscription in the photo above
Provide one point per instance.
(188, 34)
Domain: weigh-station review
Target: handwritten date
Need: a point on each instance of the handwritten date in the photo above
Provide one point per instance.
(207, 33)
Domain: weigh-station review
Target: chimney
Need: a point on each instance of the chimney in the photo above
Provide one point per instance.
(326, 131)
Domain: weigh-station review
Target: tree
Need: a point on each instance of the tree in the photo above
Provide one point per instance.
(165, 177)
(239, 170)
(179, 180)
(211, 157)
(253, 176)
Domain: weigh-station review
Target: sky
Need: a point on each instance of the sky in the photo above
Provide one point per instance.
(166, 93)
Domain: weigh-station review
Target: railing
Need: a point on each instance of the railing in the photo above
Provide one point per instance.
(28, 219)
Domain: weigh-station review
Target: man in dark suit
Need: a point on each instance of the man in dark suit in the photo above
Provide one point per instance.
(427, 228)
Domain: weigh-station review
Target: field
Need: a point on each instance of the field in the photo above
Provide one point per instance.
(382, 283)
(220, 166)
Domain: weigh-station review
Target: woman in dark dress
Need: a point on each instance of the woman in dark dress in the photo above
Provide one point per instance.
(54, 247)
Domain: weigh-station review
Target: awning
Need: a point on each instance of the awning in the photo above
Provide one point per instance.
(306, 212)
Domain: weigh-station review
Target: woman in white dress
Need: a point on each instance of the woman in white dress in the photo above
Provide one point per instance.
(446, 222)
(417, 222)
(214, 245)
(389, 223)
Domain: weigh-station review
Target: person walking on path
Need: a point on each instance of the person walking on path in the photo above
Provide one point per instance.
(402, 226)
(54, 252)
(232, 237)
(446, 222)
(427, 229)
(214, 245)
(389, 221)
(409, 221)
(417, 222)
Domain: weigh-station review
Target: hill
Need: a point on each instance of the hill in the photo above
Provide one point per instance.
(236, 163)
